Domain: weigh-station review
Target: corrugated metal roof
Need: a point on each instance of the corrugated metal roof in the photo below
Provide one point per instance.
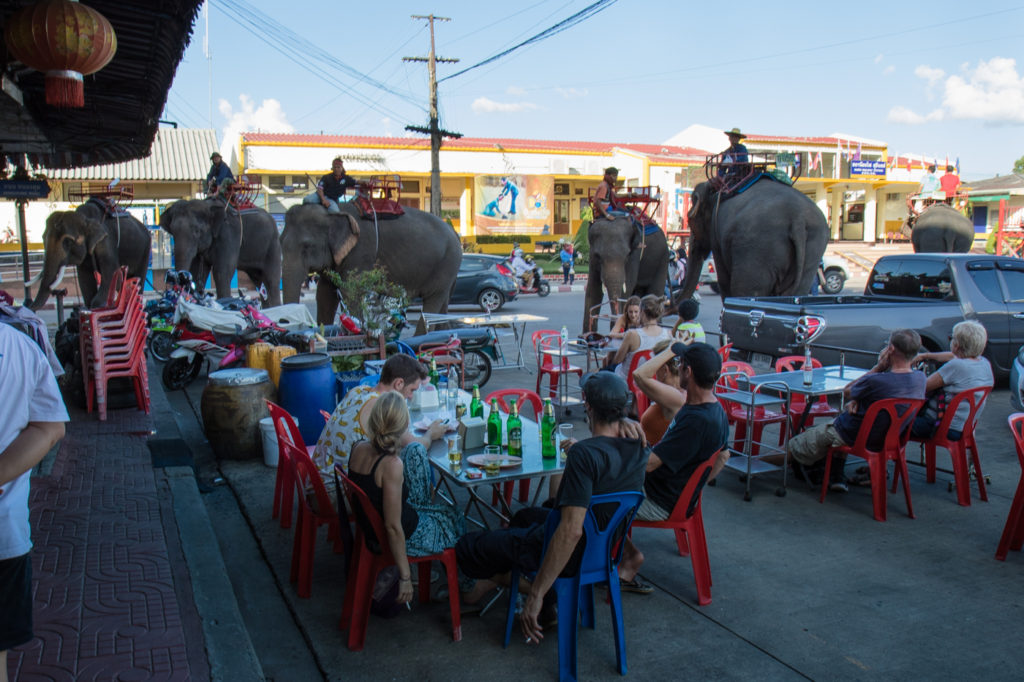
(466, 143)
(178, 154)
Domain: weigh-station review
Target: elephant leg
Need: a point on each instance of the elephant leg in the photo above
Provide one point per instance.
(222, 274)
(326, 302)
(436, 303)
(592, 295)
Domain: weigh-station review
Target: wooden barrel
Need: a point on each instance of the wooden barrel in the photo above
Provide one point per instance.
(277, 354)
(232, 407)
(257, 355)
(307, 386)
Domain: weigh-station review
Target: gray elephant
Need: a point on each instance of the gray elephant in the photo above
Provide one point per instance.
(942, 229)
(212, 239)
(767, 241)
(625, 260)
(95, 242)
(417, 249)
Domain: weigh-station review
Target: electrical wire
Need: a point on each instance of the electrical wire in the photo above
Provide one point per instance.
(582, 15)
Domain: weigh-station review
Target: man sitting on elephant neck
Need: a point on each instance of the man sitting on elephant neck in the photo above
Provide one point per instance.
(604, 198)
(220, 179)
(332, 187)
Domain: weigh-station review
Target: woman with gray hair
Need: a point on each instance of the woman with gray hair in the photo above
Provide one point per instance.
(964, 368)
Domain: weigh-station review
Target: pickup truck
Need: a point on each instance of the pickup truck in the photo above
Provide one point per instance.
(928, 292)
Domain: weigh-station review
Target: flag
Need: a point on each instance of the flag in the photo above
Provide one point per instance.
(812, 163)
(908, 164)
(857, 157)
(817, 161)
(958, 165)
(947, 162)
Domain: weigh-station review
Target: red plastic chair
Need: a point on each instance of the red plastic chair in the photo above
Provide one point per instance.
(724, 351)
(1013, 531)
(355, 612)
(797, 402)
(958, 448)
(688, 523)
(521, 396)
(315, 510)
(548, 339)
(640, 398)
(287, 431)
(901, 413)
(737, 413)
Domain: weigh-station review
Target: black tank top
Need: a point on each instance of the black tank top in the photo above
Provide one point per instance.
(410, 519)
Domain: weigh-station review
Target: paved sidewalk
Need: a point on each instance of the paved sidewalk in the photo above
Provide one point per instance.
(109, 579)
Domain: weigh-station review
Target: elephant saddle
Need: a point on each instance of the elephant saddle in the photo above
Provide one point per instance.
(109, 208)
(378, 197)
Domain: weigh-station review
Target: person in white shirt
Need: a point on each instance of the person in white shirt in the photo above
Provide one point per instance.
(34, 416)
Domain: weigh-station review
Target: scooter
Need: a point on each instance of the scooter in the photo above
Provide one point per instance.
(541, 286)
(478, 345)
(214, 335)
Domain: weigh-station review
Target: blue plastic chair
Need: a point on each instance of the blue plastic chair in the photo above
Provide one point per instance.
(405, 348)
(370, 380)
(576, 594)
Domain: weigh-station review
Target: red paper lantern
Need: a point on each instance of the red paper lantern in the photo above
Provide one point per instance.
(66, 40)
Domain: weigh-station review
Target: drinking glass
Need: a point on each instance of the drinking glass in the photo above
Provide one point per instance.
(564, 439)
(454, 450)
(492, 460)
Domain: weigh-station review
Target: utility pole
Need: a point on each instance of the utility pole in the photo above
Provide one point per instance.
(433, 129)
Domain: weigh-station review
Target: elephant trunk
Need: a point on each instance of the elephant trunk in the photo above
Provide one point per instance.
(48, 277)
(696, 254)
(293, 274)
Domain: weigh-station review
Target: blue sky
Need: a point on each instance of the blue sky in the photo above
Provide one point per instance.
(938, 78)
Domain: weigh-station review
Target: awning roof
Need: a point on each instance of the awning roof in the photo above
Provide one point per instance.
(123, 101)
(177, 155)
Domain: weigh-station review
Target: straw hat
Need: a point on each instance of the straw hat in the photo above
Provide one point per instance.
(734, 131)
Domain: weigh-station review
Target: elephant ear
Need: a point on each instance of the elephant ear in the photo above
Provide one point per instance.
(635, 237)
(215, 212)
(94, 234)
(342, 237)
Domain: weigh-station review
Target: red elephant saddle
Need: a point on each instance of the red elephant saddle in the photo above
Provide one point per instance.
(378, 197)
(111, 199)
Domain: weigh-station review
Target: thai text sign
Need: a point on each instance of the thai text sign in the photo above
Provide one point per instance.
(24, 189)
(867, 168)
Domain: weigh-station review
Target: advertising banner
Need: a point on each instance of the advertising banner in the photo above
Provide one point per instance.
(513, 204)
(867, 168)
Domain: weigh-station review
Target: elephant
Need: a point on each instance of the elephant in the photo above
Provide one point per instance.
(94, 241)
(626, 260)
(766, 241)
(418, 250)
(210, 238)
(942, 229)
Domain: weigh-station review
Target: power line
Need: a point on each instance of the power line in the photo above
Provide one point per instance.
(563, 25)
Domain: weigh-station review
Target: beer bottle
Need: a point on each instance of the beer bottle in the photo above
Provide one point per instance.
(548, 447)
(808, 368)
(494, 424)
(515, 431)
(434, 376)
(476, 408)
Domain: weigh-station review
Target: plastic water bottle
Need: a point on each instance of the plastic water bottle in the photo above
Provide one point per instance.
(808, 368)
(453, 390)
(564, 339)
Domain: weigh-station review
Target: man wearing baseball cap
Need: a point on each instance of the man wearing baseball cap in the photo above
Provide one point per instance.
(610, 461)
(220, 179)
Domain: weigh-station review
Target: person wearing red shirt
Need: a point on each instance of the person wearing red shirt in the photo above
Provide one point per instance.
(949, 182)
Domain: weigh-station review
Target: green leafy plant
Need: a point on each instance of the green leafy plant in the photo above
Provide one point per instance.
(371, 297)
(504, 239)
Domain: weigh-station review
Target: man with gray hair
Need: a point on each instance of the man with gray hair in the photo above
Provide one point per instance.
(964, 368)
(892, 377)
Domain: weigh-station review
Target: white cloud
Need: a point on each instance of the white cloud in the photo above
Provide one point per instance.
(268, 117)
(515, 91)
(484, 105)
(901, 114)
(992, 92)
(887, 70)
(570, 93)
(878, 58)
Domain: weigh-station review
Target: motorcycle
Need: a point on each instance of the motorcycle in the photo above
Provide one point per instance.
(159, 314)
(215, 335)
(540, 286)
(478, 345)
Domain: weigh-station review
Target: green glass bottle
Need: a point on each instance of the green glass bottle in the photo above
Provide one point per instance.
(548, 431)
(476, 407)
(434, 376)
(494, 424)
(515, 431)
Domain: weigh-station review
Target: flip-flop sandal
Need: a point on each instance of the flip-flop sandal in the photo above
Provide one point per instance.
(635, 586)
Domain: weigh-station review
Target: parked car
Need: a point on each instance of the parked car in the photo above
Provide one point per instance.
(709, 276)
(835, 273)
(485, 281)
(1017, 381)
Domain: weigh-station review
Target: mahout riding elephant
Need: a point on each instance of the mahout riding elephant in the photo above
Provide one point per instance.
(417, 249)
(210, 238)
(767, 240)
(942, 229)
(625, 260)
(95, 242)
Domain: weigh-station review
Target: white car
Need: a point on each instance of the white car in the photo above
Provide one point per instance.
(835, 270)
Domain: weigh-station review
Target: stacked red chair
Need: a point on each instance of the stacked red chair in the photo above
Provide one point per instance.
(1013, 532)
(112, 340)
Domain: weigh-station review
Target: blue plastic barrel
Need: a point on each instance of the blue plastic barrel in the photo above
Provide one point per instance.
(306, 387)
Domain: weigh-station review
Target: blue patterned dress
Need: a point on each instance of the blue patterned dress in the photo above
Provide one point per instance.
(440, 525)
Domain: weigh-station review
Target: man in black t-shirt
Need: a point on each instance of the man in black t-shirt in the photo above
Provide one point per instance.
(331, 187)
(699, 430)
(611, 461)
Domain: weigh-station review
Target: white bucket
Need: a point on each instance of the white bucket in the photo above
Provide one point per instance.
(270, 448)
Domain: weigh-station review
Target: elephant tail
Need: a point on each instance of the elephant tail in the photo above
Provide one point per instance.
(798, 237)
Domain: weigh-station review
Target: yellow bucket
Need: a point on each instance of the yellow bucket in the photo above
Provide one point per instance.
(257, 355)
(277, 354)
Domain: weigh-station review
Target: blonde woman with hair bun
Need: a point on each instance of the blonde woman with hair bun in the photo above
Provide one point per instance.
(396, 479)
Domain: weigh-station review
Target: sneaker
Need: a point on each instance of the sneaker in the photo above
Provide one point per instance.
(838, 487)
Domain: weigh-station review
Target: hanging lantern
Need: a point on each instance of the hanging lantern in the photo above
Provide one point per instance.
(64, 39)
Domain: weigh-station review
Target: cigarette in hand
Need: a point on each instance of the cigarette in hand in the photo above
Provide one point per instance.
(529, 639)
(408, 606)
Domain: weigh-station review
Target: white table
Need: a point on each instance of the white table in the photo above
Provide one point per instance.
(517, 323)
